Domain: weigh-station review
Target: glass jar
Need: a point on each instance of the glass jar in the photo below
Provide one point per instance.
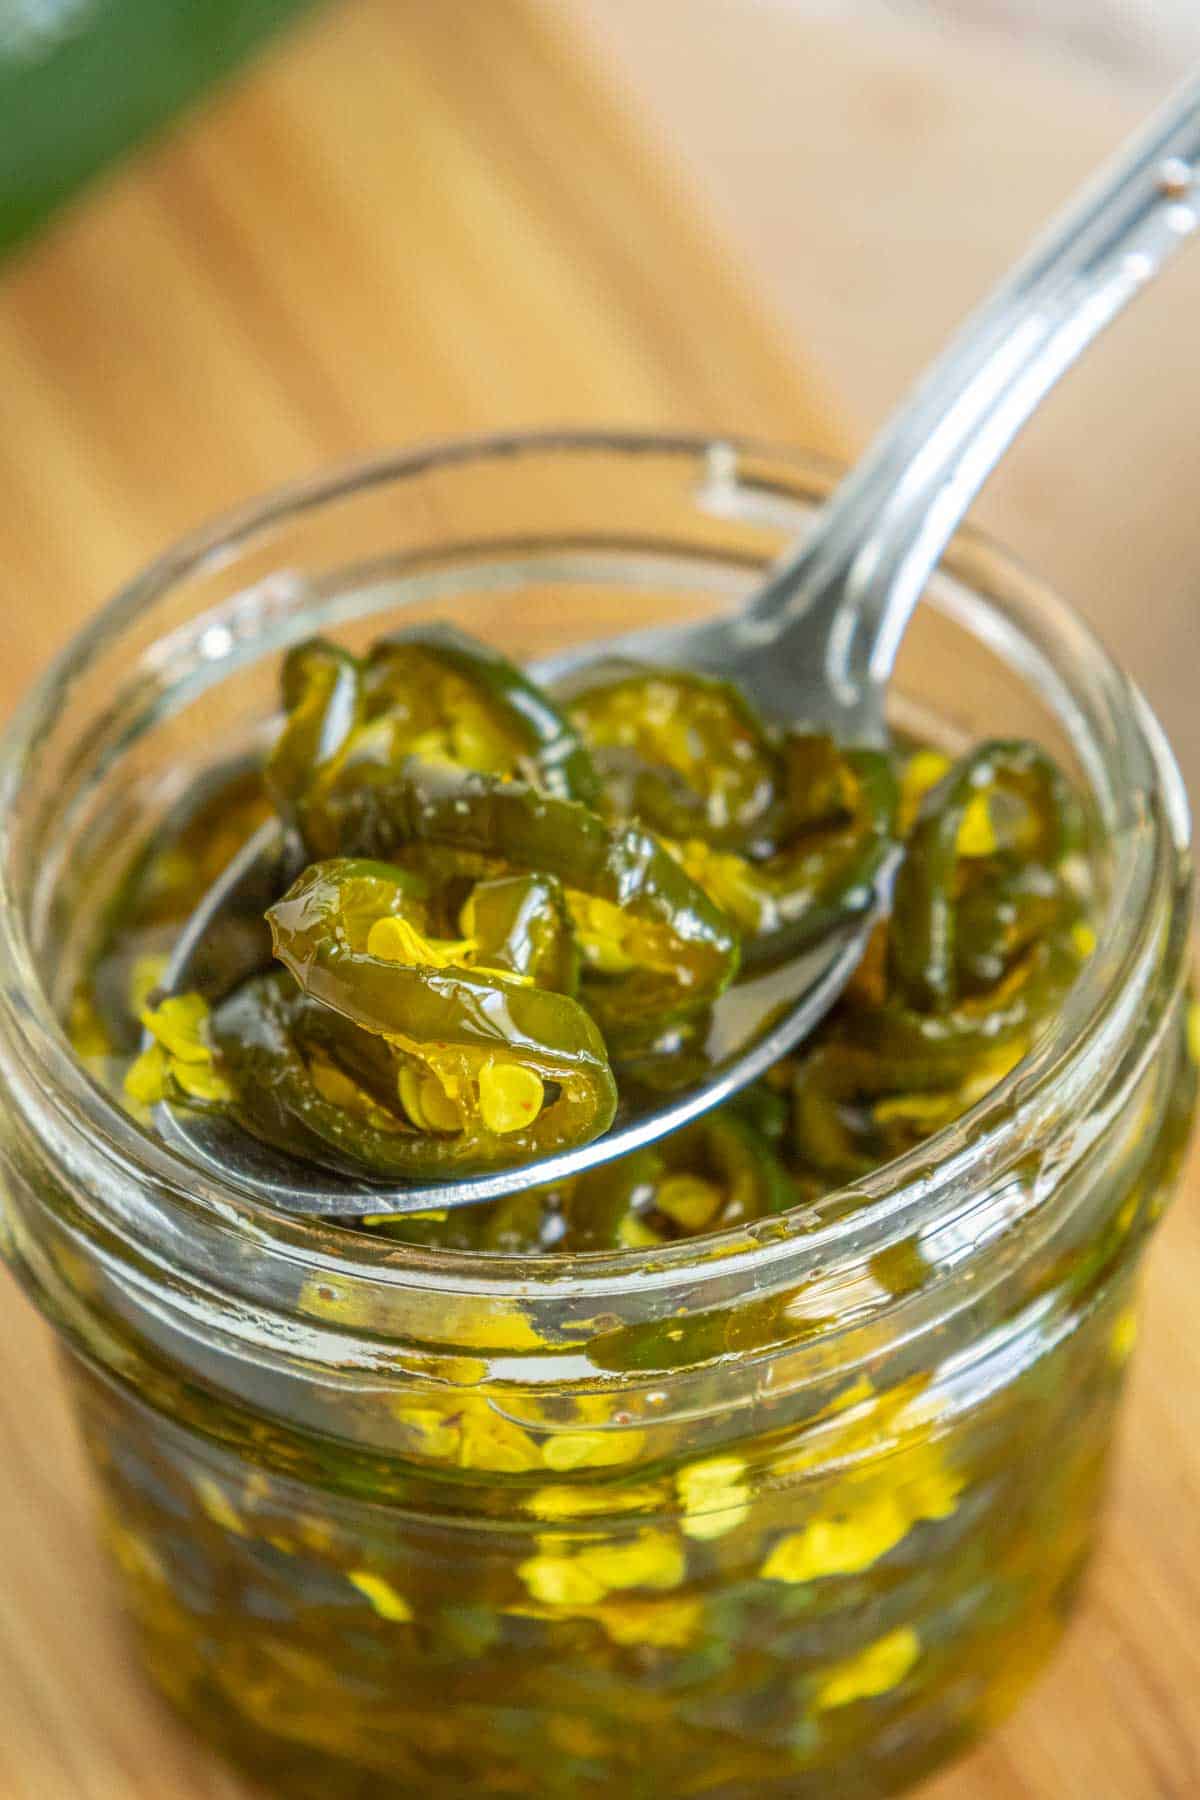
(791, 1510)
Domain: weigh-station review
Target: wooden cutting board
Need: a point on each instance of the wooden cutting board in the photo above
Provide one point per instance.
(420, 218)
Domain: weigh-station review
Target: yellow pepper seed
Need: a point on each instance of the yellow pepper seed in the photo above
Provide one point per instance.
(180, 1055)
(881, 1666)
(218, 1507)
(688, 1199)
(384, 1598)
(604, 934)
(432, 1433)
(652, 1559)
(146, 1078)
(669, 1624)
(144, 977)
(180, 1026)
(335, 1086)
(575, 1450)
(714, 1495)
(840, 1545)
(490, 1441)
(591, 1449)
(705, 1526)
(712, 1476)
(977, 834)
(396, 940)
(1124, 1336)
(727, 879)
(426, 1102)
(202, 1081)
(922, 771)
(560, 1581)
(510, 1097)
(556, 1503)
(1083, 936)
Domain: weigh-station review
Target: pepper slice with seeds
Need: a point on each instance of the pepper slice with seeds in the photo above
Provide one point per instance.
(683, 753)
(655, 947)
(431, 692)
(401, 1053)
(980, 949)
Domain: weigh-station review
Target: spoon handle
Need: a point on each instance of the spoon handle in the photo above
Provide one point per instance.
(863, 569)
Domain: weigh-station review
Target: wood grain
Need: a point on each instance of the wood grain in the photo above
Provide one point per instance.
(420, 218)
(907, 165)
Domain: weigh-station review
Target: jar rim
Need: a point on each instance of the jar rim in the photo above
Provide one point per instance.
(1096, 1020)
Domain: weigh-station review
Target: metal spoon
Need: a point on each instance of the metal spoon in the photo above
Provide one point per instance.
(816, 643)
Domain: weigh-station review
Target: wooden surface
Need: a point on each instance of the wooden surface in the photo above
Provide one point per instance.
(401, 227)
(877, 180)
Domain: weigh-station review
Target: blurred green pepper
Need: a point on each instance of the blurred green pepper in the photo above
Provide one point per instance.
(1004, 810)
(981, 947)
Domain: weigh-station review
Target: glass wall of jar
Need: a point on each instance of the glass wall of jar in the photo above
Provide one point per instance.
(793, 1509)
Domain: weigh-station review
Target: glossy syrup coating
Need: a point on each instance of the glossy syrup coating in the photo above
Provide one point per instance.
(477, 967)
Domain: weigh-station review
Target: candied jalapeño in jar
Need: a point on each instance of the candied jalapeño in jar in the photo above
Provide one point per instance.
(735, 1546)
